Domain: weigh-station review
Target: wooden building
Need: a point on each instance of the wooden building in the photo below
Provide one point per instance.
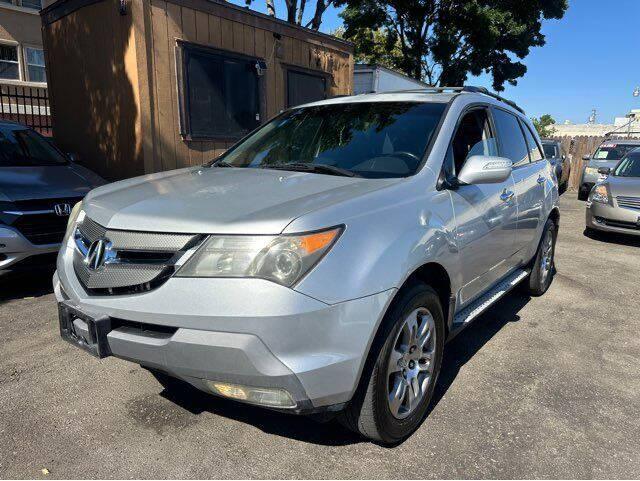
(140, 86)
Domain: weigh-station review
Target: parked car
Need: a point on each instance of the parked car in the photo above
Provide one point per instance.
(606, 156)
(38, 187)
(614, 203)
(321, 263)
(555, 154)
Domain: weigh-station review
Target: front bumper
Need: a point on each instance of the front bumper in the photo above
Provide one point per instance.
(15, 248)
(243, 331)
(611, 218)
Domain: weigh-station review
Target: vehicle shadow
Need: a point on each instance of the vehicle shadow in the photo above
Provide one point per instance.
(613, 238)
(457, 352)
(35, 282)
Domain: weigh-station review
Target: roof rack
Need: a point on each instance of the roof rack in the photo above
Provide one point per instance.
(464, 88)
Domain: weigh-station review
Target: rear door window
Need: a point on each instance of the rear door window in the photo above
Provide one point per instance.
(534, 149)
(511, 138)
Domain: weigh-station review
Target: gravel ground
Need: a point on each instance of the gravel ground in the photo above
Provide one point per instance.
(536, 387)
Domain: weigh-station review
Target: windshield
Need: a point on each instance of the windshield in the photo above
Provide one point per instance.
(549, 150)
(630, 166)
(27, 148)
(374, 139)
(612, 151)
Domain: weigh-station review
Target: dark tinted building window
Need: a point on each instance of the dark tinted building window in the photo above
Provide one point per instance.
(511, 137)
(220, 95)
(303, 88)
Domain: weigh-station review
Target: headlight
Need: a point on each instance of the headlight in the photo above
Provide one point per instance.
(76, 216)
(283, 259)
(600, 194)
(591, 171)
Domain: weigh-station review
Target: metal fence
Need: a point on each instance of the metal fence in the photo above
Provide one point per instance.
(27, 105)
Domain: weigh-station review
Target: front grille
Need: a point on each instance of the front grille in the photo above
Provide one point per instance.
(628, 202)
(36, 219)
(41, 229)
(136, 261)
(619, 223)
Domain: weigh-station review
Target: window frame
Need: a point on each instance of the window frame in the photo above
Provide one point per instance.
(524, 138)
(468, 109)
(523, 125)
(16, 45)
(26, 63)
(182, 85)
(305, 71)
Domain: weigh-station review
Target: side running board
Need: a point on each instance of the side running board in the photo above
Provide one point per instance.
(477, 307)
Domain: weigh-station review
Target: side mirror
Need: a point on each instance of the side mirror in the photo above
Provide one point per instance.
(586, 157)
(72, 157)
(485, 169)
(604, 170)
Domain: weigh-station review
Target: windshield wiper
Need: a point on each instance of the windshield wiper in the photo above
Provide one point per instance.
(315, 168)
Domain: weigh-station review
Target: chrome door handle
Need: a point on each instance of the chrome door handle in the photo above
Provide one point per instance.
(541, 179)
(506, 195)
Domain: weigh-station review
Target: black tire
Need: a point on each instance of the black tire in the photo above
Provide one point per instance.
(369, 412)
(583, 194)
(541, 274)
(562, 188)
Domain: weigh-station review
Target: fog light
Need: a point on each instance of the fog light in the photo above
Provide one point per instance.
(257, 395)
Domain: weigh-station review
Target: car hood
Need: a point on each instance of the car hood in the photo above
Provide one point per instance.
(625, 186)
(46, 182)
(220, 200)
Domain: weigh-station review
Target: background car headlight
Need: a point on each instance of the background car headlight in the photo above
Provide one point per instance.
(283, 259)
(600, 194)
(76, 216)
(591, 171)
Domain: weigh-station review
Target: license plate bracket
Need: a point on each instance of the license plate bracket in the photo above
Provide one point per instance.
(94, 339)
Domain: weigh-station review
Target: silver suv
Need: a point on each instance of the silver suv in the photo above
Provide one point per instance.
(320, 265)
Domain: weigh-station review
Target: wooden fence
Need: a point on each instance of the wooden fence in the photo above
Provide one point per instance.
(27, 105)
(575, 148)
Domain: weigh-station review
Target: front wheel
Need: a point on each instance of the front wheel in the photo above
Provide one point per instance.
(396, 391)
(542, 269)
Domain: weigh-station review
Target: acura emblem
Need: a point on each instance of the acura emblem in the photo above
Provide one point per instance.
(62, 210)
(98, 254)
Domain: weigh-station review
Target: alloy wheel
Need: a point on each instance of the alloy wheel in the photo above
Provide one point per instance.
(411, 363)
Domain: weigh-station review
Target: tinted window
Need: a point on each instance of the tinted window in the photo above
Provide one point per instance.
(511, 138)
(473, 137)
(535, 153)
(629, 166)
(27, 148)
(377, 139)
(303, 88)
(549, 150)
(221, 97)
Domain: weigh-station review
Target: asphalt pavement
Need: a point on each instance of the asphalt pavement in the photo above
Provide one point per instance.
(536, 387)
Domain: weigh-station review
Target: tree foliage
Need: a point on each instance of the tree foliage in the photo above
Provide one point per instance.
(544, 125)
(443, 41)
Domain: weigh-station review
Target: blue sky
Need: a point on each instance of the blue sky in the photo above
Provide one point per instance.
(591, 60)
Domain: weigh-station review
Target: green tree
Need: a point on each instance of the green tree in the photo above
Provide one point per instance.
(544, 125)
(443, 41)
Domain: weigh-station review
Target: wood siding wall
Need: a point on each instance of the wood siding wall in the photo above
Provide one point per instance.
(113, 83)
(220, 27)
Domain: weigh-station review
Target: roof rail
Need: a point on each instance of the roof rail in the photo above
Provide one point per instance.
(464, 88)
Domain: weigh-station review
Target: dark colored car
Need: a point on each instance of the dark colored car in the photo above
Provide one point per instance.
(39, 185)
(554, 152)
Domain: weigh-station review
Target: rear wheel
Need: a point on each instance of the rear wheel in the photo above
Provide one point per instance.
(396, 391)
(542, 269)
